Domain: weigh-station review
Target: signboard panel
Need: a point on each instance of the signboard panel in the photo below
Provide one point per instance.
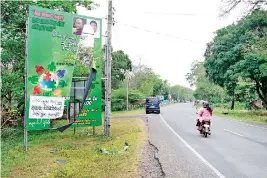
(55, 41)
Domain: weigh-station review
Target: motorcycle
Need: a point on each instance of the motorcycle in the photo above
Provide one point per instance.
(204, 128)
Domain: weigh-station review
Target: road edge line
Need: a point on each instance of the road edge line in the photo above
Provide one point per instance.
(236, 121)
(194, 151)
(233, 132)
(244, 123)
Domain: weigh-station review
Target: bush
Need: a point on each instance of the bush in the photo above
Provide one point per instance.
(135, 96)
(238, 105)
(10, 117)
(222, 106)
(118, 102)
(11, 133)
(118, 98)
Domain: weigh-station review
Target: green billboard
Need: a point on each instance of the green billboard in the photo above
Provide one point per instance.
(55, 41)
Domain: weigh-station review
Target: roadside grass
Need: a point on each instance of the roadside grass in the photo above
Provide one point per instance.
(256, 116)
(134, 111)
(128, 113)
(79, 151)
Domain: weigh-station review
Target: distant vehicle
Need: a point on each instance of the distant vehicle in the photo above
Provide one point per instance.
(160, 97)
(152, 105)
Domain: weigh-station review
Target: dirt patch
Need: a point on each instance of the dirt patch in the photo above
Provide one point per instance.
(263, 114)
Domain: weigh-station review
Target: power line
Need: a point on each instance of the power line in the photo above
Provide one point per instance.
(162, 34)
(164, 13)
(169, 13)
(14, 28)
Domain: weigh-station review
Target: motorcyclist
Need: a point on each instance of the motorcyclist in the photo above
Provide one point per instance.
(204, 114)
(196, 103)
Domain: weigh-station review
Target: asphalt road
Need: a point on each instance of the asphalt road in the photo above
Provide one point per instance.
(234, 149)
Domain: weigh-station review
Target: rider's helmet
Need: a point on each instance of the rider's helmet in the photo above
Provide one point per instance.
(205, 104)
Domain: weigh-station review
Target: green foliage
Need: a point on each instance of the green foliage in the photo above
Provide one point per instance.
(80, 70)
(238, 53)
(246, 93)
(120, 64)
(209, 91)
(135, 96)
(118, 102)
(148, 82)
(205, 90)
(227, 105)
(181, 93)
(196, 69)
(143, 83)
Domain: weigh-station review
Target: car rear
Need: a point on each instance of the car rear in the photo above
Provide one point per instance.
(152, 105)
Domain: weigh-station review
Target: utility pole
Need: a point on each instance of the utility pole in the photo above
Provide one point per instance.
(127, 94)
(108, 71)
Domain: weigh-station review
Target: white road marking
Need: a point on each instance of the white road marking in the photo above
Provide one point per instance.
(231, 120)
(265, 128)
(233, 132)
(194, 151)
(243, 136)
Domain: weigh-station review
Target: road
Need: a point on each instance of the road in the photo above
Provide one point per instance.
(234, 149)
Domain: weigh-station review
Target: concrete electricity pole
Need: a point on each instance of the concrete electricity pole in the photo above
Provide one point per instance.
(127, 76)
(108, 71)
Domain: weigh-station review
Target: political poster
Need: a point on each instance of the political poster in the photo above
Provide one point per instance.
(56, 40)
(46, 107)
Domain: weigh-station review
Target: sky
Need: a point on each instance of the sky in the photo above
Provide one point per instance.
(166, 36)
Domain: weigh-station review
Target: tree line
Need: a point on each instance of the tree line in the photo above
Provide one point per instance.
(235, 64)
(142, 82)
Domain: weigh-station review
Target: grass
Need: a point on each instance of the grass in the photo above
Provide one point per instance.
(79, 151)
(259, 117)
(133, 112)
(128, 113)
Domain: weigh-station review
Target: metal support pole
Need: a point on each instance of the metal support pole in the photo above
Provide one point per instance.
(25, 91)
(108, 72)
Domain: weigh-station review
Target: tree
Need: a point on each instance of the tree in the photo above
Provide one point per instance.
(148, 82)
(13, 29)
(181, 93)
(120, 64)
(250, 5)
(238, 53)
(205, 90)
(246, 93)
(118, 101)
(196, 69)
